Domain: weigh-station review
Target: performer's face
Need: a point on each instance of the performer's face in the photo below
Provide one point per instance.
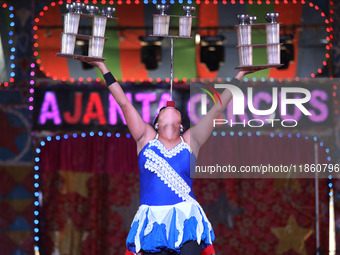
(169, 116)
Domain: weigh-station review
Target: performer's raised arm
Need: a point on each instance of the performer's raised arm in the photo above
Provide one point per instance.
(141, 131)
(200, 133)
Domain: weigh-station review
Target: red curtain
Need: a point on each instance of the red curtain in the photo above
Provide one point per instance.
(90, 190)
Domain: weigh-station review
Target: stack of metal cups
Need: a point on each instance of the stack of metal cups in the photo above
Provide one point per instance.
(185, 21)
(273, 38)
(96, 43)
(245, 50)
(71, 25)
(161, 21)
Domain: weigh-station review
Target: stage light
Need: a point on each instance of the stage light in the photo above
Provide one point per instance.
(212, 51)
(287, 51)
(151, 51)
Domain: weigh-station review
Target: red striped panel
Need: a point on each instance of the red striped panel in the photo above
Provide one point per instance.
(129, 45)
(290, 14)
(50, 43)
(207, 17)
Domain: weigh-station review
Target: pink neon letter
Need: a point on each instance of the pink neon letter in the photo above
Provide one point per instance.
(49, 109)
(319, 105)
(115, 110)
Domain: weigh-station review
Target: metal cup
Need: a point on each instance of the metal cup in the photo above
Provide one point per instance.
(273, 32)
(252, 19)
(271, 17)
(243, 19)
(185, 26)
(96, 47)
(244, 34)
(71, 22)
(92, 9)
(245, 55)
(99, 25)
(162, 8)
(188, 10)
(108, 10)
(79, 7)
(70, 7)
(273, 54)
(67, 44)
(161, 24)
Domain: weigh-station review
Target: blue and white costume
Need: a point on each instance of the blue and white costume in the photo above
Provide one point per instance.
(169, 214)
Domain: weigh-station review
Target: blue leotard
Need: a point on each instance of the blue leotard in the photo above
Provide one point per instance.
(169, 214)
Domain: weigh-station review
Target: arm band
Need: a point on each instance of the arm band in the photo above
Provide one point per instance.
(235, 82)
(109, 79)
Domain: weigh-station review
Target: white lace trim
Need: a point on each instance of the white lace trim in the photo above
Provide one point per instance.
(169, 153)
(164, 215)
(168, 175)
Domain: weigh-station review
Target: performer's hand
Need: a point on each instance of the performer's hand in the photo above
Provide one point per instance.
(244, 72)
(97, 63)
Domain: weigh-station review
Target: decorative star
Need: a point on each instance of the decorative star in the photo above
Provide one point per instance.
(221, 211)
(68, 240)
(9, 133)
(127, 212)
(292, 236)
(292, 184)
(75, 182)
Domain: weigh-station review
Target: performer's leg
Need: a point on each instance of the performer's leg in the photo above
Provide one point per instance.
(191, 248)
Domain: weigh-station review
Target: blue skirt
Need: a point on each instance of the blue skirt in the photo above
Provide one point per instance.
(168, 227)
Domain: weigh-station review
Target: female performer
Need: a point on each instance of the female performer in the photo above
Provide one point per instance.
(169, 219)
